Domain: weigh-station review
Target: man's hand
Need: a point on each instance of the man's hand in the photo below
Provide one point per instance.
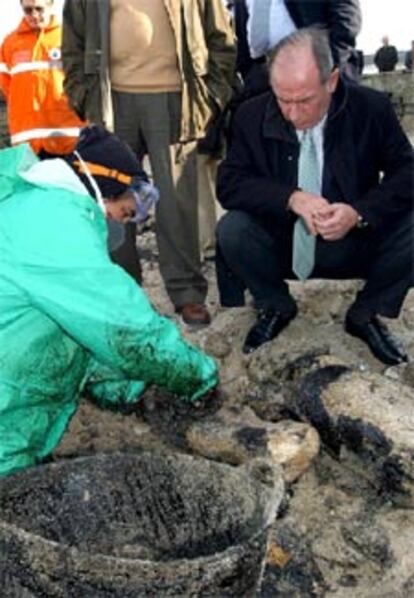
(334, 221)
(307, 205)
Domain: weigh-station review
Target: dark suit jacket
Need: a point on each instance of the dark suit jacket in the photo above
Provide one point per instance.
(363, 139)
(386, 59)
(341, 17)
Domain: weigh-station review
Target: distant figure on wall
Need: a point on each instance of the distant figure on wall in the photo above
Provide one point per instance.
(409, 58)
(360, 62)
(386, 57)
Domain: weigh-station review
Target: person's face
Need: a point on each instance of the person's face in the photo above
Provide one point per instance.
(295, 81)
(122, 209)
(37, 12)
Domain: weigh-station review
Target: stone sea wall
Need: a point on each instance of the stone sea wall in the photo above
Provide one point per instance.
(400, 88)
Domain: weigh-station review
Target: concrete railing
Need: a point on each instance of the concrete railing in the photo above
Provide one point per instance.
(399, 86)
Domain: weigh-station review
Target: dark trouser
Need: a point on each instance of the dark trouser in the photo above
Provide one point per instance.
(249, 257)
(126, 255)
(150, 123)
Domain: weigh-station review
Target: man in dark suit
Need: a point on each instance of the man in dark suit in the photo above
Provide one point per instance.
(386, 57)
(359, 216)
(341, 18)
(409, 58)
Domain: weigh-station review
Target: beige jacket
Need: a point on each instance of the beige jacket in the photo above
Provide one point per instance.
(206, 55)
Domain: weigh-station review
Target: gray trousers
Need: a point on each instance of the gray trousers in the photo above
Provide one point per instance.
(150, 124)
(209, 210)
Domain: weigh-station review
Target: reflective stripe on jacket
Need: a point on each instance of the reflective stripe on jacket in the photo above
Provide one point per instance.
(31, 78)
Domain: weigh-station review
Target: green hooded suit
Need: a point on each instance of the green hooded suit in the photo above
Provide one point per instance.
(69, 317)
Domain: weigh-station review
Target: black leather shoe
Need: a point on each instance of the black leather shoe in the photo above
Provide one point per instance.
(269, 323)
(378, 338)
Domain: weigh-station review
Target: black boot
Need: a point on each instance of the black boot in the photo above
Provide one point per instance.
(269, 323)
(376, 335)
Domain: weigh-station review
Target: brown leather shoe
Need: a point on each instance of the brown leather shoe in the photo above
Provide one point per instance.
(194, 314)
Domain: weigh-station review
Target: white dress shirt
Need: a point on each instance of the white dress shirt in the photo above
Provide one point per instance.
(276, 21)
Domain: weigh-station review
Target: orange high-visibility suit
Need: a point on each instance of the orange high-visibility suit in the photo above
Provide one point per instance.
(31, 78)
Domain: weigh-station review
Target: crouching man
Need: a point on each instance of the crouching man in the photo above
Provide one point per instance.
(317, 183)
(70, 319)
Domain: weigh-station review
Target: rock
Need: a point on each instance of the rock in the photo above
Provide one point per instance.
(227, 441)
(290, 568)
(369, 415)
(267, 401)
(293, 446)
(408, 318)
(361, 547)
(281, 364)
(238, 436)
(370, 540)
(272, 375)
(217, 345)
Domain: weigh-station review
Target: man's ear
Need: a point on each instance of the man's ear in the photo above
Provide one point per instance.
(333, 80)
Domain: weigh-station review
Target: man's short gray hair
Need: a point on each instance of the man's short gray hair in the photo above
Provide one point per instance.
(318, 39)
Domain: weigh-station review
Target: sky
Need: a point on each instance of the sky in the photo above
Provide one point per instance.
(394, 18)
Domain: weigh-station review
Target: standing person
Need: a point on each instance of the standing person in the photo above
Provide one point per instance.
(386, 57)
(261, 24)
(157, 71)
(208, 208)
(70, 320)
(409, 58)
(31, 78)
(318, 183)
(210, 151)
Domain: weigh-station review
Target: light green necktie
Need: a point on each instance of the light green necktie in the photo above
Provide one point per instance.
(308, 180)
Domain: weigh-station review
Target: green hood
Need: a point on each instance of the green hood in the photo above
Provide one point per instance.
(20, 168)
(13, 162)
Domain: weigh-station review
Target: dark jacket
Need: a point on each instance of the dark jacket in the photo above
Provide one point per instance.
(341, 17)
(386, 58)
(363, 139)
(408, 60)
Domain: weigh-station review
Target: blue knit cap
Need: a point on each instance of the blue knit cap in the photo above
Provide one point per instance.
(98, 146)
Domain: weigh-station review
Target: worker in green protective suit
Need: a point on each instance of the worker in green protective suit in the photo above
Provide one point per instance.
(70, 319)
